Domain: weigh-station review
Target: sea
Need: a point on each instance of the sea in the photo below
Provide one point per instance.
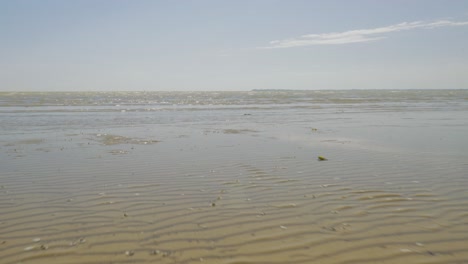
(262, 176)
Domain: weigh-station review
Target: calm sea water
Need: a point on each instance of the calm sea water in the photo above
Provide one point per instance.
(233, 177)
(434, 120)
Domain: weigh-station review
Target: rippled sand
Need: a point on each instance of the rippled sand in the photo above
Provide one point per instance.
(227, 195)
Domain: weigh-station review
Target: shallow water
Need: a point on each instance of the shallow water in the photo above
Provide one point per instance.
(234, 177)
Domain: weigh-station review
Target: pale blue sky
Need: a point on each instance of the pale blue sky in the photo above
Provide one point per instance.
(232, 45)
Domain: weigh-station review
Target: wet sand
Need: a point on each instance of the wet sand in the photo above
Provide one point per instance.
(227, 195)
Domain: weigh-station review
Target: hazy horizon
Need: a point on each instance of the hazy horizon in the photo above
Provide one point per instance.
(251, 90)
(232, 45)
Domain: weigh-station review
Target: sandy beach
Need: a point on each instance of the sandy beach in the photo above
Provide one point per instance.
(227, 180)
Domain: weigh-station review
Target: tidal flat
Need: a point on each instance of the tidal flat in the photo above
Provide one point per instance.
(234, 177)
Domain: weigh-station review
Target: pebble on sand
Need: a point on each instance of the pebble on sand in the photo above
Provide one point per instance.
(322, 158)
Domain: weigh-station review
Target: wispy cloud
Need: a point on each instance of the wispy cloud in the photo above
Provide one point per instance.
(359, 35)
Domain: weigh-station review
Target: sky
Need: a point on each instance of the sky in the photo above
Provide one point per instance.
(167, 45)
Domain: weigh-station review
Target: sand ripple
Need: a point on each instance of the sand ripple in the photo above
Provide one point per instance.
(146, 209)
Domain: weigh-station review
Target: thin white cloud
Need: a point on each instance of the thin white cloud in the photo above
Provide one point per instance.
(360, 35)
